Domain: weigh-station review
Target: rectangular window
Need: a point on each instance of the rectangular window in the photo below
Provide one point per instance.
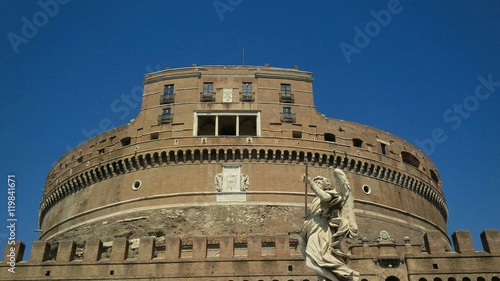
(287, 115)
(246, 92)
(247, 88)
(206, 125)
(167, 111)
(208, 88)
(227, 124)
(247, 126)
(168, 90)
(168, 94)
(208, 92)
(166, 116)
(286, 90)
(382, 148)
(286, 93)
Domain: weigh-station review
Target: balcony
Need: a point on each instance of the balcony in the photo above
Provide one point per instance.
(207, 96)
(247, 97)
(287, 117)
(288, 98)
(165, 118)
(167, 99)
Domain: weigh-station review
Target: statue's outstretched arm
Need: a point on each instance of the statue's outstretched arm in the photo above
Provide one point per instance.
(322, 195)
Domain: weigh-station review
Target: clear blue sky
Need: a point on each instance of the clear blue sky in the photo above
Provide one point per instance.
(414, 75)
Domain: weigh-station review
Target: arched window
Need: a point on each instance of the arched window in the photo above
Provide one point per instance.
(434, 176)
(180, 156)
(392, 278)
(329, 137)
(409, 158)
(126, 141)
(357, 142)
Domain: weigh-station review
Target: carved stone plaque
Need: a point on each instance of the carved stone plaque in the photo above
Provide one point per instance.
(231, 179)
(227, 95)
(231, 184)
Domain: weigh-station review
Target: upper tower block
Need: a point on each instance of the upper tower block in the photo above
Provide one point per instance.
(173, 95)
(215, 84)
(216, 145)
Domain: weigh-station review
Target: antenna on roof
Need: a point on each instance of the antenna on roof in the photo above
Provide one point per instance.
(243, 57)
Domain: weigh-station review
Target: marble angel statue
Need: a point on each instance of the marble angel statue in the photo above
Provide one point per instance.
(330, 219)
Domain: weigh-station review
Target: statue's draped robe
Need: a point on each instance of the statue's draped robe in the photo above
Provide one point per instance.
(321, 235)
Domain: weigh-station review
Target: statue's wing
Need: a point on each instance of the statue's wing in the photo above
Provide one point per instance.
(347, 212)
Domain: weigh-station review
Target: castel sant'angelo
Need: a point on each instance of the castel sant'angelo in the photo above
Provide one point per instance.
(204, 184)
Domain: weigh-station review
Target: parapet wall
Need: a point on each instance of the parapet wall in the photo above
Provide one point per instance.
(193, 258)
(431, 261)
(167, 248)
(254, 257)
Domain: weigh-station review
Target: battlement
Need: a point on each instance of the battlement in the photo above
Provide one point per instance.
(434, 260)
(462, 242)
(253, 246)
(161, 258)
(434, 245)
(254, 256)
(167, 248)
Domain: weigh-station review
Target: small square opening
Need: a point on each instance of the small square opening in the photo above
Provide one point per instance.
(297, 134)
